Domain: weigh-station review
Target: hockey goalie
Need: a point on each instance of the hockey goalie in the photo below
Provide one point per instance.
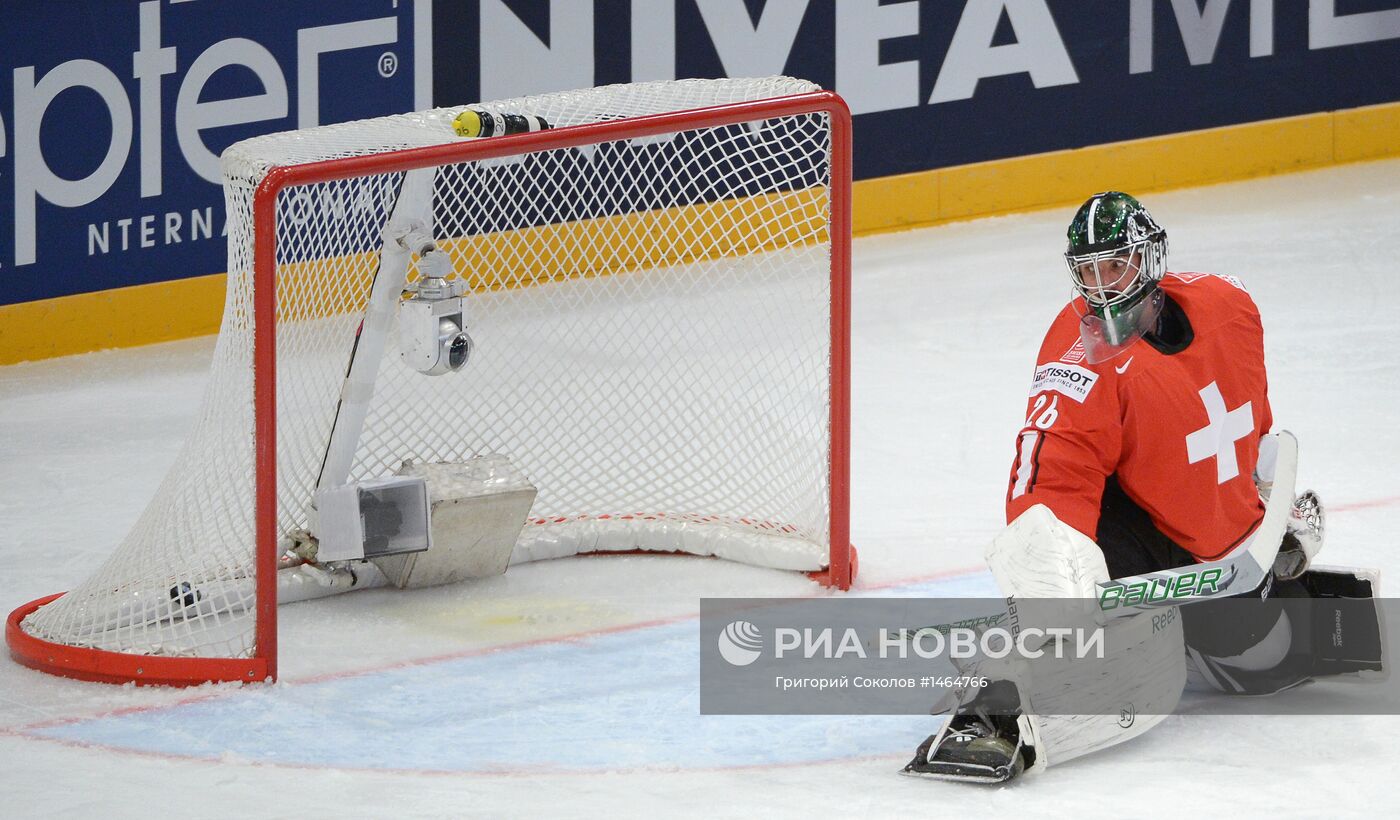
(1146, 456)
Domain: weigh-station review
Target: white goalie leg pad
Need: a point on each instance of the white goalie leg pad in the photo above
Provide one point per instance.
(1140, 677)
(1039, 556)
(1139, 682)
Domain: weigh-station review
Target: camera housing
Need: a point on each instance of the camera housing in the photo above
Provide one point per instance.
(433, 335)
(372, 518)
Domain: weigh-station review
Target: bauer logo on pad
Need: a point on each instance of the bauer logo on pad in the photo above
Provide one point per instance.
(1066, 379)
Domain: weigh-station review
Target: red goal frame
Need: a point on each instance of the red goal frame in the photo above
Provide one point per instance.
(112, 667)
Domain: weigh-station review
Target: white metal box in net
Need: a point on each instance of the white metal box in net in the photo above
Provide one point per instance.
(657, 288)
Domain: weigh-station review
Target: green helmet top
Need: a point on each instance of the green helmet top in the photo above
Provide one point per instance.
(1109, 221)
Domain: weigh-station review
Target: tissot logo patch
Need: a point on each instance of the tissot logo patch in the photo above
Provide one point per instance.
(1066, 379)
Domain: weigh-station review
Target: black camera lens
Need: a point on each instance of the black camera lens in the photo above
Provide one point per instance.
(382, 522)
(459, 351)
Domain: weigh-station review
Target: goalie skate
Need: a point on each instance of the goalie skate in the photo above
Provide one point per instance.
(970, 749)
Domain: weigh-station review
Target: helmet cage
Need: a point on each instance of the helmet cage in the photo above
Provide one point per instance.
(1122, 302)
(1117, 255)
(1122, 274)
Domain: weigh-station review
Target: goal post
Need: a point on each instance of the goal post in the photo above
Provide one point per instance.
(657, 287)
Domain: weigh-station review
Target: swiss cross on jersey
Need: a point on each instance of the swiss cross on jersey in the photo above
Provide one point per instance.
(1179, 428)
(1217, 439)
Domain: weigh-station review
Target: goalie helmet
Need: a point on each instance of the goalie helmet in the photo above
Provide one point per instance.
(1117, 255)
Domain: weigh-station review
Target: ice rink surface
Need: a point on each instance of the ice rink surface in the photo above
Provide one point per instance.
(569, 687)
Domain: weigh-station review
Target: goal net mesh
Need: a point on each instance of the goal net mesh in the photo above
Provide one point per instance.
(652, 320)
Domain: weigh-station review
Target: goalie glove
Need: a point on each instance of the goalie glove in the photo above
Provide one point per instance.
(1303, 539)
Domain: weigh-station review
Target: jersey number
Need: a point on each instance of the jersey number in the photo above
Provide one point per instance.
(1028, 445)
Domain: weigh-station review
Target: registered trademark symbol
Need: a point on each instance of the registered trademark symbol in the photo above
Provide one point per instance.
(388, 64)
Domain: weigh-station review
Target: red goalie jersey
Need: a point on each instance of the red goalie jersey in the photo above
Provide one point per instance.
(1180, 428)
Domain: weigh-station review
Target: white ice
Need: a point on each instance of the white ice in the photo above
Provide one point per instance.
(568, 687)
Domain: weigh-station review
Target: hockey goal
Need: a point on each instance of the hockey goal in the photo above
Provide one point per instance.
(656, 285)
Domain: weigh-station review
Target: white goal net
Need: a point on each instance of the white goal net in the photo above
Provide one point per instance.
(659, 326)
